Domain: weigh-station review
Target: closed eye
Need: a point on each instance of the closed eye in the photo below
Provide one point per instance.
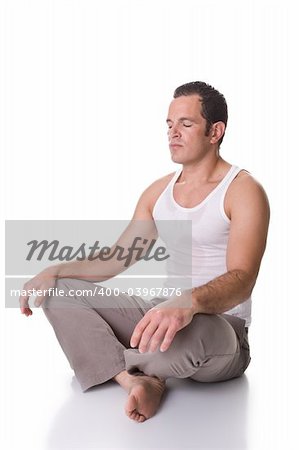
(184, 122)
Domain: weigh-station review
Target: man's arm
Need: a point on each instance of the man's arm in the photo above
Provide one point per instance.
(247, 206)
(142, 224)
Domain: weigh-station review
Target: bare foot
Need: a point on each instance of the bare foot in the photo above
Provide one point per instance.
(145, 394)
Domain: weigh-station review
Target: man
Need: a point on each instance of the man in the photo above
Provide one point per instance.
(141, 345)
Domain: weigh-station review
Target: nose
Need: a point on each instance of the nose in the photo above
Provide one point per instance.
(174, 132)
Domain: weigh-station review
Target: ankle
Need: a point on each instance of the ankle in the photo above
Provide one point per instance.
(127, 381)
(124, 379)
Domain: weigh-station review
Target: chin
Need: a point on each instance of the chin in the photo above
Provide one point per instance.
(175, 156)
(177, 159)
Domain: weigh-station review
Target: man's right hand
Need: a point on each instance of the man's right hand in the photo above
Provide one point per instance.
(44, 281)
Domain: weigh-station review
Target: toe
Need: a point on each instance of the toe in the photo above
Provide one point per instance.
(131, 405)
(134, 415)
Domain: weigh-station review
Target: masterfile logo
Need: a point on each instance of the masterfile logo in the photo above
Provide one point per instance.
(143, 251)
(153, 258)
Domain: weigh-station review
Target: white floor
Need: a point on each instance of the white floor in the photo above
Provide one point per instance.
(45, 409)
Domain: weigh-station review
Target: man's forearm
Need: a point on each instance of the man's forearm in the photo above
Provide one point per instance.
(101, 267)
(136, 242)
(223, 293)
(164, 320)
(96, 270)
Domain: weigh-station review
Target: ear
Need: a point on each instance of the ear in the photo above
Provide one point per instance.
(217, 131)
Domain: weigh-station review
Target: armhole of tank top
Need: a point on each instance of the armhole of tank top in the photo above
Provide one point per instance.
(234, 173)
(165, 189)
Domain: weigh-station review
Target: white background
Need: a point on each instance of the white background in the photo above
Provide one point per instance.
(85, 87)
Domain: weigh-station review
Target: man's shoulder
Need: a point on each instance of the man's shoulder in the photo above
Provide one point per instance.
(245, 190)
(161, 183)
(245, 180)
(158, 186)
(151, 194)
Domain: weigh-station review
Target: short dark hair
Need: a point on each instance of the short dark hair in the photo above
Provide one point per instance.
(214, 107)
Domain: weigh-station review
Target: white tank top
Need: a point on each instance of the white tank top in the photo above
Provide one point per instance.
(210, 232)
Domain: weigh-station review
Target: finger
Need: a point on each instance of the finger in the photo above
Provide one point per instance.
(24, 305)
(39, 300)
(28, 312)
(168, 338)
(157, 338)
(147, 335)
(138, 330)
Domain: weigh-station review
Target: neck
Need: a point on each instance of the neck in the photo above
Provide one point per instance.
(202, 171)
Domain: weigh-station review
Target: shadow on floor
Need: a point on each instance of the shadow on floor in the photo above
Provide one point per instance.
(192, 415)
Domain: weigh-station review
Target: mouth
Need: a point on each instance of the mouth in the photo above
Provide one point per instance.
(175, 145)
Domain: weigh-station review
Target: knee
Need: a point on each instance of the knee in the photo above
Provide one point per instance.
(179, 361)
(212, 334)
(193, 346)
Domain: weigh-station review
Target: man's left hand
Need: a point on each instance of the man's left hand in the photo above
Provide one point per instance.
(160, 324)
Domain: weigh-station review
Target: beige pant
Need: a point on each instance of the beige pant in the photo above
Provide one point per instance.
(94, 333)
